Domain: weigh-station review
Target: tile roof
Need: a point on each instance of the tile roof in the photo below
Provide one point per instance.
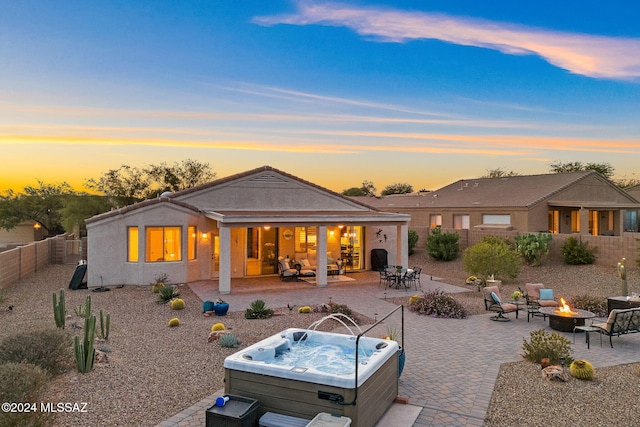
(513, 191)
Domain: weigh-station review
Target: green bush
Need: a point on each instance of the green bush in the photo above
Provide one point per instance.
(491, 257)
(533, 246)
(341, 308)
(442, 246)
(48, 349)
(438, 304)
(258, 310)
(590, 303)
(167, 293)
(412, 241)
(544, 345)
(575, 252)
(22, 383)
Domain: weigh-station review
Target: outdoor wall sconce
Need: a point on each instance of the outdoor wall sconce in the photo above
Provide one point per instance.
(204, 236)
(37, 226)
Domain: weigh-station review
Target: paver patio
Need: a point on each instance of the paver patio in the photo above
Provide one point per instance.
(452, 364)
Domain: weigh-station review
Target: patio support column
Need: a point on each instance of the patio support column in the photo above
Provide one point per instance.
(321, 257)
(224, 278)
(584, 221)
(402, 244)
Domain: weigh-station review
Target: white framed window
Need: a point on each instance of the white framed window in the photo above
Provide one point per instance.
(163, 244)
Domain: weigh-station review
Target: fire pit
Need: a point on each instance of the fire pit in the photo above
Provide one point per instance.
(564, 318)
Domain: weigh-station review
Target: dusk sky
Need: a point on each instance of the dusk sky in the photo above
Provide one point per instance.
(419, 92)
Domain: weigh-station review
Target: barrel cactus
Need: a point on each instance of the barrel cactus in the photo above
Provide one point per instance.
(304, 309)
(177, 304)
(217, 327)
(582, 370)
(156, 287)
(174, 322)
(229, 340)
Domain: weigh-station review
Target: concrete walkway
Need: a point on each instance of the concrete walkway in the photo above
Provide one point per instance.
(452, 364)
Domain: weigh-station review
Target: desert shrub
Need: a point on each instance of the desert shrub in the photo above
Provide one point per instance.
(341, 308)
(167, 293)
(49, 349)
(544, 345)
(23, 382)
(590, 303)
(491, 257)
(258, 310)
(533, 246)
(412, 241)
(575, 252)
(442, 246)
(438, 304)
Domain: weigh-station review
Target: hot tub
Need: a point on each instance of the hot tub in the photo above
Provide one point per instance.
(276, 372)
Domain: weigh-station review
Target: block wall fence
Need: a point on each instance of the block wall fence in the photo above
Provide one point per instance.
(608, 250)
(21, 262)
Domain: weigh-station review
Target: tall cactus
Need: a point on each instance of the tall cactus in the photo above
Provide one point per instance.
(104, 326)
(59, 310)
(84, 351)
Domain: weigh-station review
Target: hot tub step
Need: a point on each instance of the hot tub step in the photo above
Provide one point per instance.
(271, 419)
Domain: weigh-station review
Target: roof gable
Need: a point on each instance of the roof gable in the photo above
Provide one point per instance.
(266, 189)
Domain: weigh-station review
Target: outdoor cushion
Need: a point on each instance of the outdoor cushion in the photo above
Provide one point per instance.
(533, 289)
(546, 294)
(609, 323)
(547, 303)
(305, 262)
(495, 298)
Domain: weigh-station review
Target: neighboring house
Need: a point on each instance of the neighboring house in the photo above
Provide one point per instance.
(26, 232)
(631, 219)
(237, 227)
(578, 202)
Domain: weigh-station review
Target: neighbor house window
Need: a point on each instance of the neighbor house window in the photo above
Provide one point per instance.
(192, 241)
(132, 244)
(163, 244)
(461, 222)
(496, 219)
(631, 221)
(435, 220)
(575, 221)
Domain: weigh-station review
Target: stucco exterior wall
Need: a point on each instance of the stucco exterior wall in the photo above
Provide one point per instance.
(108, 244)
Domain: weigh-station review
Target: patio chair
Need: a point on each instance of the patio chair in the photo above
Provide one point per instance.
(493, 302)
(285, 271)
(537, 296)
(418, 271)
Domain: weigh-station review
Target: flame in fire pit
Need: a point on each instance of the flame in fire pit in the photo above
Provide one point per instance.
(564, 307)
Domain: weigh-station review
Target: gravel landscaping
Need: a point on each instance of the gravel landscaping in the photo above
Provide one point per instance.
(155, 371)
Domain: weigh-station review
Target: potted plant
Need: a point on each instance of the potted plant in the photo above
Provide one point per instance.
(220, 307)
(516, 295)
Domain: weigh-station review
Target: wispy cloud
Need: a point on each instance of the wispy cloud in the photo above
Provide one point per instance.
(588, 55)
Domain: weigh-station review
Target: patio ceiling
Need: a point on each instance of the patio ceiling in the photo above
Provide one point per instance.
(274, 218)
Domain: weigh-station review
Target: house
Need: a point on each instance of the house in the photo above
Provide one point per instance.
(25, 232)
(578, 202)
(239, 226)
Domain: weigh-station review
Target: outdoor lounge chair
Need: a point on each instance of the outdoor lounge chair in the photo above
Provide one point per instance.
(538, 296)
(285, 271)
(494, 302)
